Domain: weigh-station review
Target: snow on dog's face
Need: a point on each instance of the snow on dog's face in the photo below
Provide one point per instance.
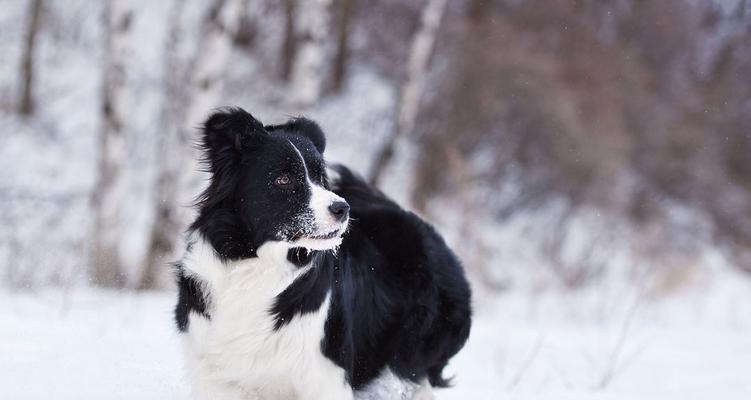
(274, 180)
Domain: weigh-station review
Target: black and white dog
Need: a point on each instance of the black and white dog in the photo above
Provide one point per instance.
(298, 284)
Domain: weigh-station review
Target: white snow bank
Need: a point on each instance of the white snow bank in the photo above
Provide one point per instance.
(599, 344)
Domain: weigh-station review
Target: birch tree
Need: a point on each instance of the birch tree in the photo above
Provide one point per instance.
(26, 103)
(166, 226)
(341, 60)
(311, 29)
(178, 181)
(409, 94)
(109, 193)
(289, 43)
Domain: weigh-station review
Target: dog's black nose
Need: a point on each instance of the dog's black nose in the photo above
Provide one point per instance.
(340, 210)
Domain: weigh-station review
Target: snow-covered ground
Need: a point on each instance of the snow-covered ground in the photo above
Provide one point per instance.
(599, 343)
(606, 341)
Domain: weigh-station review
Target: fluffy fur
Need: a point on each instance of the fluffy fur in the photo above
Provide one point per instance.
(294, 288)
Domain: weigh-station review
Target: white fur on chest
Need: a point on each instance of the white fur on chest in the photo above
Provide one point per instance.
(237, 354)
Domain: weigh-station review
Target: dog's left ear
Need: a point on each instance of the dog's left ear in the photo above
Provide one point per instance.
(304, 127)
(227, 132)
(312, 131)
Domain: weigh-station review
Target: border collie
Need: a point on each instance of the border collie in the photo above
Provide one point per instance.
(303, 283)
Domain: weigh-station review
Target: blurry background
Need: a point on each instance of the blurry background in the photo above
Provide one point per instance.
(590, 161)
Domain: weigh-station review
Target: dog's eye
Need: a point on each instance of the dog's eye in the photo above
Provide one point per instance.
(283, 181)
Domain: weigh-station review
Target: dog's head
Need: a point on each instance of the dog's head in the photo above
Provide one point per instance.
(268, 183)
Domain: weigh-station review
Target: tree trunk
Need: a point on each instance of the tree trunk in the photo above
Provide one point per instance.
(741, 9)
(341, 61)
(110, 190)
(26, 104)
(307, 71)
(166, 227)
(409, 94)
(212, 59)
(178, 180)
(289, 45)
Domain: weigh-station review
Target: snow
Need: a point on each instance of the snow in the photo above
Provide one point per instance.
(603, 343)
(591, 345)
(617, 338)
(94, 345)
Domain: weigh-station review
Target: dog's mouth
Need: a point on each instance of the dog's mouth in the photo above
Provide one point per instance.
(321, 241)
(325, 236)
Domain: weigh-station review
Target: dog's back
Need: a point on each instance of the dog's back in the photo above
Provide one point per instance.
(400, 296)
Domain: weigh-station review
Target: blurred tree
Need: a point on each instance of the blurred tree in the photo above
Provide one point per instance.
(289, 42)
(341, 60)
(307, 74)
(408, 103)
(178, 176)
(26, 103)
(166, 227)
(246, 30)
(110, 192)
(381, 28)
(624, 106)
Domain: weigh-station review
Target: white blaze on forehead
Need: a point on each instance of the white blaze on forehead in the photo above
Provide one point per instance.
(320, 200)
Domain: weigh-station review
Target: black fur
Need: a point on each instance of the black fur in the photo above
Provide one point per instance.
(304, 127)
(190, 297)
(399, 297)
(304, 295)
(300, 257)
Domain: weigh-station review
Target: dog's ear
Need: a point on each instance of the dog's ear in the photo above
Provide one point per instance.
(228, 132)
(304, 127)
(312, 131)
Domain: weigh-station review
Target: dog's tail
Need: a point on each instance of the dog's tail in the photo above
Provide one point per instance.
(436, 379)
